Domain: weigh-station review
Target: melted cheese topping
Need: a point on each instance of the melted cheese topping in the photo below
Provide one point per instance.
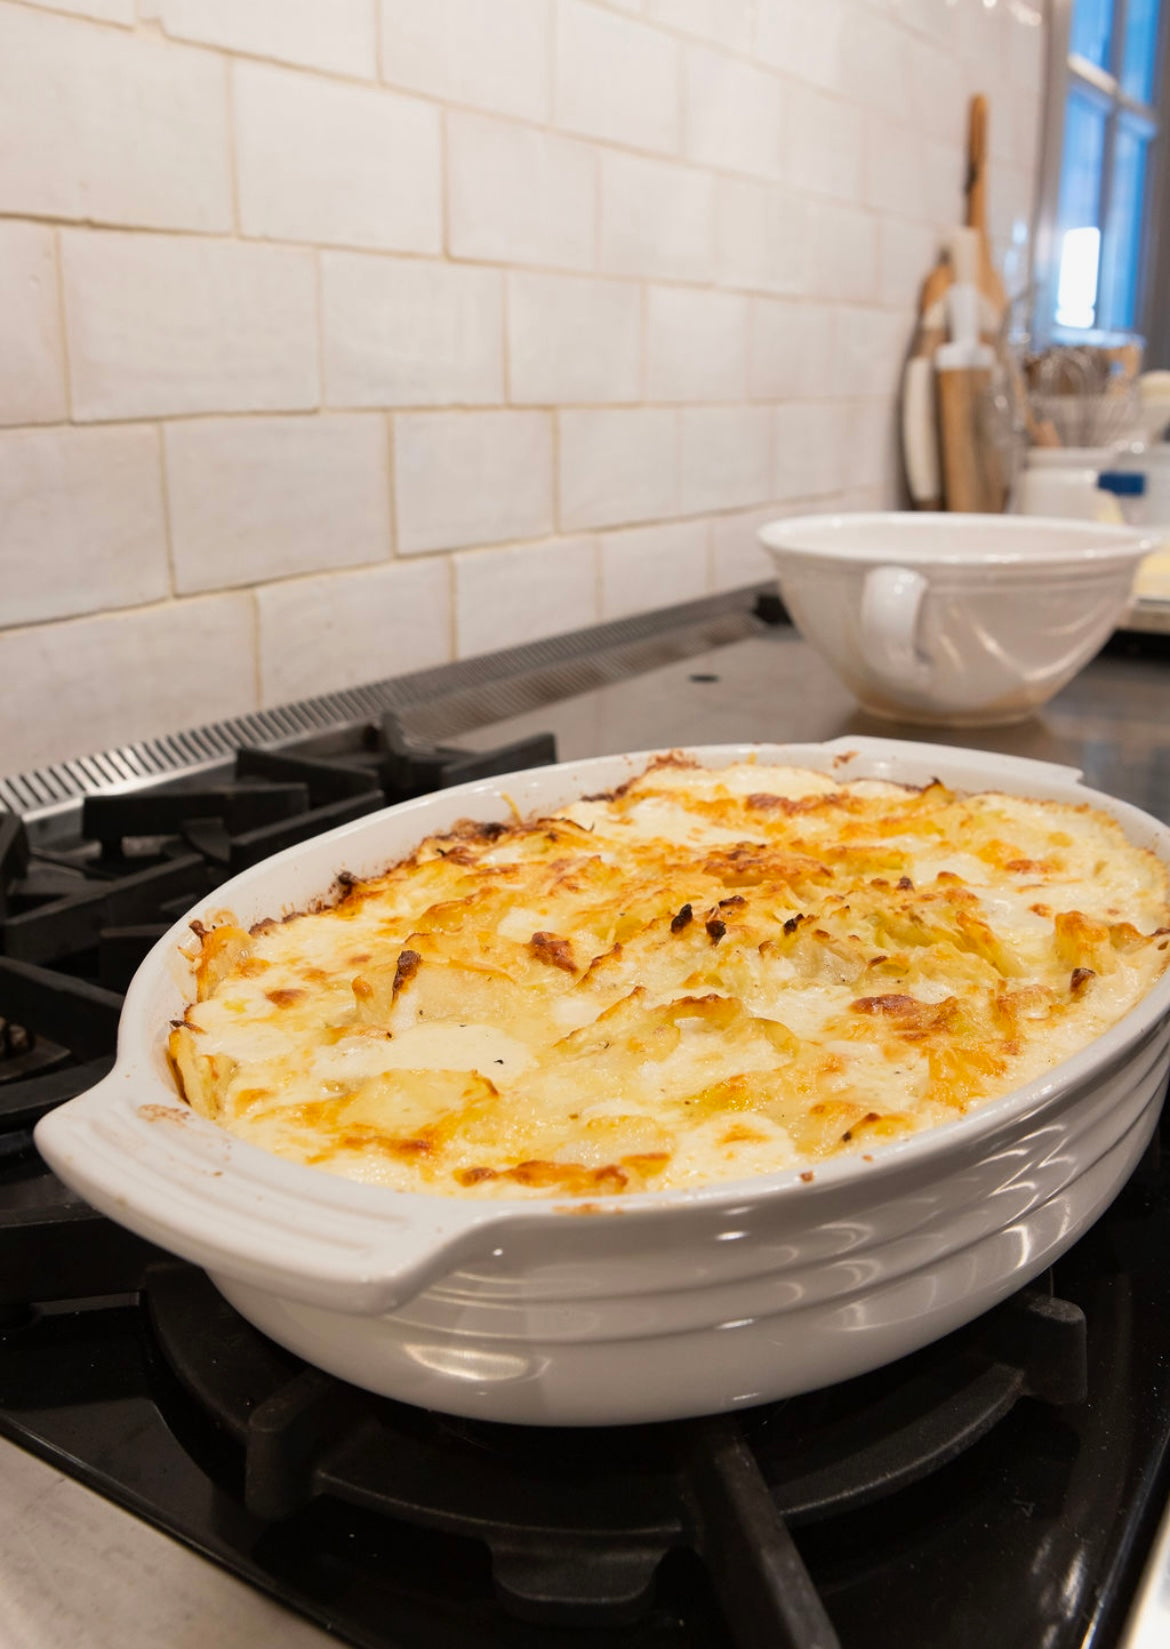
(707, 974)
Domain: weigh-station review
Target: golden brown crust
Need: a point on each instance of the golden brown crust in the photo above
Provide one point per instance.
(801, 969)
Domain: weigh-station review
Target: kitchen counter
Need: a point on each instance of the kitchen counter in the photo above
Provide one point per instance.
(78, 1573)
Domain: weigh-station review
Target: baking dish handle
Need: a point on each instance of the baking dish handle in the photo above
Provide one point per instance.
(193, 1189)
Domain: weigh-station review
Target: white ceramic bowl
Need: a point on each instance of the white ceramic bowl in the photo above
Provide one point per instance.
(646, 1307)
(961, 620)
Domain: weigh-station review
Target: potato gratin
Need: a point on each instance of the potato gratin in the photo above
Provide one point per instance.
(706, 974)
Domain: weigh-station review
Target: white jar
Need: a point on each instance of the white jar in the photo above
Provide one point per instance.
(1062, 481)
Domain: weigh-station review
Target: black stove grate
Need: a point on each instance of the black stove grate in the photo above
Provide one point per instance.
(578, 1522)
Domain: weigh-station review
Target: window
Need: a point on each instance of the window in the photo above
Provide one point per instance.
(1096, 246)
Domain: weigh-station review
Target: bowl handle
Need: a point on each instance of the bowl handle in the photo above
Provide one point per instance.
(891, 603)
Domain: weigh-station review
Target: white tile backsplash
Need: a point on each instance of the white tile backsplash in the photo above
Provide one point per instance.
(804, 40)
(455, 323)
(844, 248)
(696, 345)
(336, 164)
(647, 567)
(257, 498)
(725, 457)
(573, 339)
(491, 54)
(337, 35)
(161, 324)
(735, 114)
(617, 466)
(726, 23)
(516, 195)
(656, 219)
(615, 78)
(762, 237)
(895, 171)
(813, 454)
(105, 11)
(824, 144)
(471, 478)
(32, 356)
(509, 596)
(791, 351)
(110, 127)
(410, 332)
(82, 519)
(322, 634)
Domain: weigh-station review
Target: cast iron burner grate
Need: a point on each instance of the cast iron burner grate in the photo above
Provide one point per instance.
(578, 1522)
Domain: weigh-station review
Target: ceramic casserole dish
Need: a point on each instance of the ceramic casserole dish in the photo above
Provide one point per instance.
(643, 1307)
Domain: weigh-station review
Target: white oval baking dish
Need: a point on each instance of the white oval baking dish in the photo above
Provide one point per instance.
(646, 1307)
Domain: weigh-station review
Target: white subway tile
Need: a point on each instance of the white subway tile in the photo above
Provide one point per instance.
(573, 339)
(927, 17)
(340, 164)
(895, 174)
(735, 114)
(258, 498)
(104, 11)
(471, 478)
(937, 92)
(491, 54)
(32, 357)
(737, 556)
(984, 33)
(791, 350)
(617, 467)
(805, 40)
(615, 78)
(945, 169)
(872, 441)
(726, 23)
(812, 449)
(844, 244)
(647, 567)
(320, 635)
(90, 683)
(83, 522)
(407, 332)
(172, 324)
(824, 144)
(762, 240)
(909, 252)
(696, 345)
(509, 596)
(519, 196)
(869, 352)
(656, 219)
(725, 457)
(111, 127)
(338, 35)
(874, 64)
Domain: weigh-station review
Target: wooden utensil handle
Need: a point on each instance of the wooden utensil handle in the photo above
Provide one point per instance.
(977, 165)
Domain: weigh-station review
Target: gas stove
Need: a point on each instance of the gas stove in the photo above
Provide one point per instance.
(1005, 1482)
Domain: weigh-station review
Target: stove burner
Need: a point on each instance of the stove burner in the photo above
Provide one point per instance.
(578, 1521)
